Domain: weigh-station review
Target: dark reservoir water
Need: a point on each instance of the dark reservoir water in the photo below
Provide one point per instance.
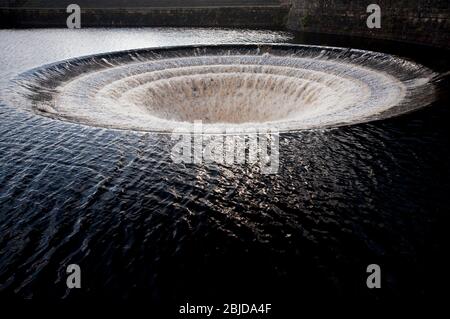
(142, 227)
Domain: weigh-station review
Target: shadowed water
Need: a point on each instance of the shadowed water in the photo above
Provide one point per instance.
(141, 226)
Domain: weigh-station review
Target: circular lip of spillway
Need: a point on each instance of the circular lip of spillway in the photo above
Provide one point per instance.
(229, 87)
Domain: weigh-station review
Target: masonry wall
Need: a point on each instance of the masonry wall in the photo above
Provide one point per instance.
(416, 21)
(253, 17)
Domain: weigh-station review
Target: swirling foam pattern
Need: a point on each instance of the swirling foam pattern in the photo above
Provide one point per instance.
(228, 87)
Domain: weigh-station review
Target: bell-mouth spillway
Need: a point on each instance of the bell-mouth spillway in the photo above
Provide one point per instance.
(226, 87)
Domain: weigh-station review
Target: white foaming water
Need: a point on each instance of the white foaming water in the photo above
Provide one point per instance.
(228, 87)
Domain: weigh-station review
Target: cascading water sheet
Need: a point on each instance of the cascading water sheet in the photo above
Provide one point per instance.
(227, 87)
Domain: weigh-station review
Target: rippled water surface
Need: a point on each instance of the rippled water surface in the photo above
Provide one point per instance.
(139, 225)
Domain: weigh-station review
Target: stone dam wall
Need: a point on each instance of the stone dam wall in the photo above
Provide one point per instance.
(242, 17)
(270, 14)
(415, 21)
